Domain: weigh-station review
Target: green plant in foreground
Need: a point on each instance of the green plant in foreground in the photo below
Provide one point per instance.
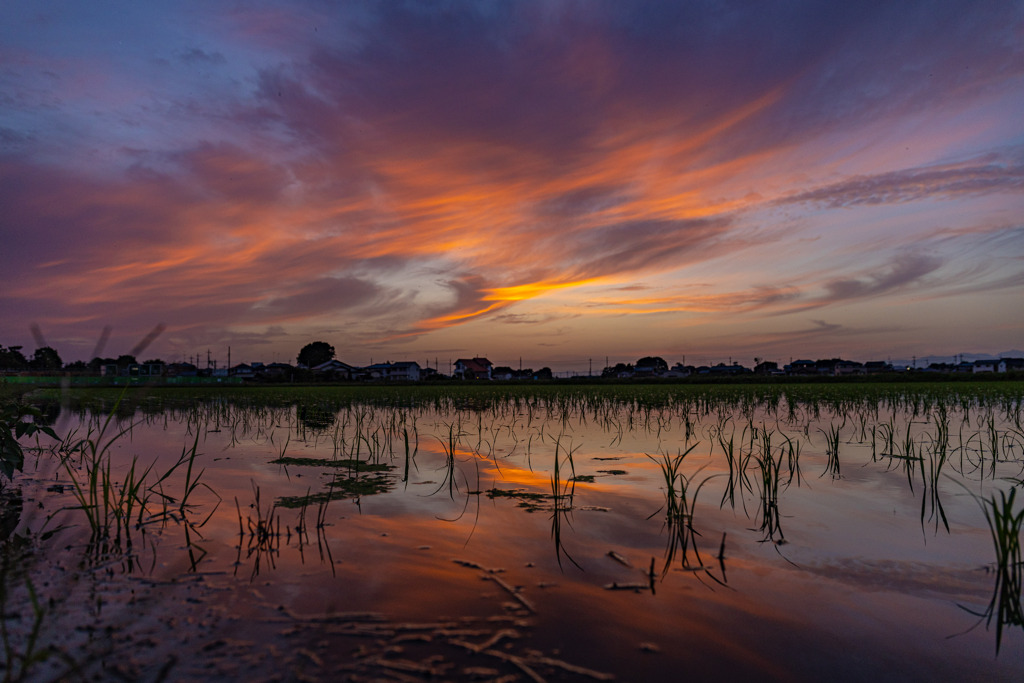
(108, 504)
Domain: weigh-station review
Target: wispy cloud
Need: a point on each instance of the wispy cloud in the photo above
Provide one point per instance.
(393, 170)
(897, 187)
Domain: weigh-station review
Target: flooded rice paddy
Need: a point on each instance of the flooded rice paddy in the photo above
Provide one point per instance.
(519, 534)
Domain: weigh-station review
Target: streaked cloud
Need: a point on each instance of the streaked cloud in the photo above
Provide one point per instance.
(388, 172)
(897, 187)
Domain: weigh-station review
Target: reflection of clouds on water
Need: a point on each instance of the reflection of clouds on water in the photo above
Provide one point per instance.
(262, 573)
(909, 578)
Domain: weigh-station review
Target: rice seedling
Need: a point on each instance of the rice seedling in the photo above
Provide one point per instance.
(561, 502)
(262, 533)
(680, 502)
(454, 435)
(106, 502)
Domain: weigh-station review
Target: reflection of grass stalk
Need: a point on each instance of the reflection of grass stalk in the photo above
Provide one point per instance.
(937, 456)
(405, 434)
(30, 656)
(993, 441)
(831, 451)
(1005, 525)
(454, 434)
(792, 450)
(771, 523)
(735, 475)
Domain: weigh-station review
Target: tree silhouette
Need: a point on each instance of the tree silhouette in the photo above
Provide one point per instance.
(656, 363)
(12, 358)
(315, 353)
(46, 358)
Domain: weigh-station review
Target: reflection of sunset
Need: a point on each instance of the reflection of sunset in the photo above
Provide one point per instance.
(465, 538)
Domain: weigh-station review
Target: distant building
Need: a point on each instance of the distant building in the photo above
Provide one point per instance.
(1011, 364)
(243, 371)
(405, 371)
(334, 369)
(723, 369)
(278, 371)
(984, 366)
(801, 367)
(848, 367)
(680, 370)
(473, 368)
(873, 367)
(182, 370)
(502, 372)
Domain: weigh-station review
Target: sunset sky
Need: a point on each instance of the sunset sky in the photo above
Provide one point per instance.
(556, 181)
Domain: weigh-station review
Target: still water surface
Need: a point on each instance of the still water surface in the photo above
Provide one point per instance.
(529, 538)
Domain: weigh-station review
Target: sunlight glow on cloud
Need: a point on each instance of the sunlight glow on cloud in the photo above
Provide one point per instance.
(384, 173)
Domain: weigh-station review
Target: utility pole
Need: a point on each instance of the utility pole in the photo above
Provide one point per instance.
(229, 360)
(590, 372)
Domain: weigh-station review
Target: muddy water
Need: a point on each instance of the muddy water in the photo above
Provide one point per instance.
(469, 556)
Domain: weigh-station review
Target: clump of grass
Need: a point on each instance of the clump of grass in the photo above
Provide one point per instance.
(680, 501)
(262, 533)
(107, 503)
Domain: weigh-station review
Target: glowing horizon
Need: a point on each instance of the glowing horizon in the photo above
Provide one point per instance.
(546, 180)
